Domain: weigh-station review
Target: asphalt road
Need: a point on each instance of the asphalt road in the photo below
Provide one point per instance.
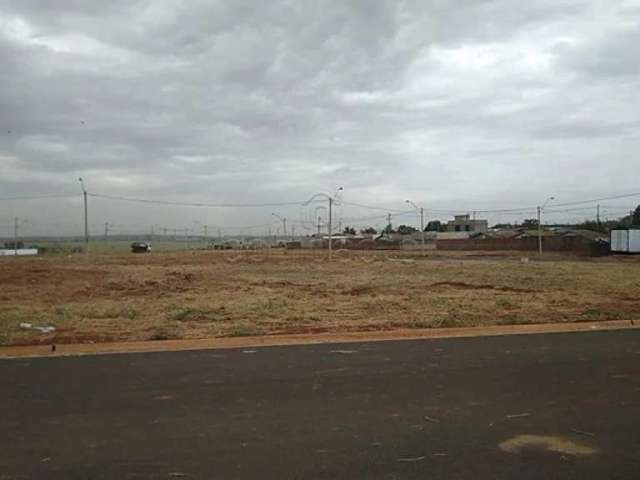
(555, 406)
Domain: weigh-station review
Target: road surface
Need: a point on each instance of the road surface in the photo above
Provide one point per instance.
(563, 406)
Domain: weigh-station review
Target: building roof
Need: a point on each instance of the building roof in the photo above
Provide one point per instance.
(505, 233)
(453, 235)
(579, 232)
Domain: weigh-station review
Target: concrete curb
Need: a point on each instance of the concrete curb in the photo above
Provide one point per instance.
(306, 339)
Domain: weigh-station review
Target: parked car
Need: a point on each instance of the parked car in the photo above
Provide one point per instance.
(140, 247)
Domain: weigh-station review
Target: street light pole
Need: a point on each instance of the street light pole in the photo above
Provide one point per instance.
(540, 209)
(422, 228)
(421, 210)
(15, 236)
(539, 233)
(86, 216)
(330, 232)
(284, 225)
(331, 200)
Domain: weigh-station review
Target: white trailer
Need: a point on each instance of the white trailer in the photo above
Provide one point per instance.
(620, 241)
(625, 241)
(8, 252)
(634, 241)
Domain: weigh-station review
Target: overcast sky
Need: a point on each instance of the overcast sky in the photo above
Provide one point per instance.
(453, 104)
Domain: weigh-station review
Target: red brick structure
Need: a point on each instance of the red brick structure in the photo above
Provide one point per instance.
(575, 244)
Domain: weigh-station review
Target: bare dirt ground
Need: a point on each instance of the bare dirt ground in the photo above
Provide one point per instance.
(127, 297)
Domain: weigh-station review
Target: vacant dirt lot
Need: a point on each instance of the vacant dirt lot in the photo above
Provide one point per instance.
(205, 294)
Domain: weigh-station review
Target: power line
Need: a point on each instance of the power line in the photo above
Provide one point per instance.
(449, 211)
(531, 209)
(371, 207)
(376, 217)
(594, 200)
(303, 202)
(39, 197)
(195, 204)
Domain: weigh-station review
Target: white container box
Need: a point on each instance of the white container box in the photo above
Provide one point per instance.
(625, 241)
(634, 241)
(620, 241)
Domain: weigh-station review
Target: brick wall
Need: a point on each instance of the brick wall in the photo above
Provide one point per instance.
(551, 244)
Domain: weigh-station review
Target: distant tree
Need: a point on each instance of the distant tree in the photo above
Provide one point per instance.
(635, 217)
(406, 230)
(503, 225)
(369, 230)
(388, 229)
(349, 231)
(530, 223)
(434, 226)
(621, 223)
(631, 220)
(593, 226)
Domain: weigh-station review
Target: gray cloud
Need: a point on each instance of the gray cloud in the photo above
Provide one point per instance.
(466, 104)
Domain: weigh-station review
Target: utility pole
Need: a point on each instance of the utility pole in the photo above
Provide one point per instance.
(319, 223)
(205, 232)
(86, 216)
(598, 214)
(421, 210)
(164, 231)
(284, 225)
(332, 200)
(106, 230)
(422, 229)
(388, 224)
(15, 236)
(330, 233)
(539, 232)
(540, 223)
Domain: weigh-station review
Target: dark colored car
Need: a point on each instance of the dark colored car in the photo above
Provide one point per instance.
(140, 247)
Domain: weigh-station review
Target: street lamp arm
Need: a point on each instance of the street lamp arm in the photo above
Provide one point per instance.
(324, 196)
(420, 211)
(546, 202)
(413, 205)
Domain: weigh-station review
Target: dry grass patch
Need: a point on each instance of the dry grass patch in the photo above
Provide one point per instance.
(204, 294)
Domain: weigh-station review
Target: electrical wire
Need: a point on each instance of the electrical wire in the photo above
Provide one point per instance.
(194, 204)
(40, 197)
(371, 207)
(595, 200)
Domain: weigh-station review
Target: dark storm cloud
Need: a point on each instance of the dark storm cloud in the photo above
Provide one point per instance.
(235, 100)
